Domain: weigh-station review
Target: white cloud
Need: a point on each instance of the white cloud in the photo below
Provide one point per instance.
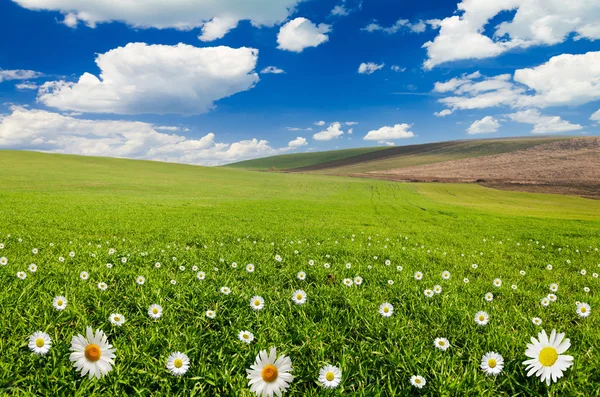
(215, 18)
(398, 131)
(400, 25)
(543, 124)
(386, 143)
(166, 128)
(397, 68)
(443, 113)
(141, 78)
(332, 132)
(26, 86)
(320, 123)
(46, 131)
(351, 123)
(486, 125)
(565, 80)
(19, 74)
(300, 33)
(369, 67)
(535, 23)
(596, 116)
(272, 70)
(340, 11)
(298, 142)
(350, 131)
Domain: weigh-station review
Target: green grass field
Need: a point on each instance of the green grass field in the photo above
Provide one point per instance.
(211, 217)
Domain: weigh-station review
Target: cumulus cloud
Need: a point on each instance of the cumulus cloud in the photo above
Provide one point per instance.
(142, 78)
(486, 125)
(300, 33)
(596, 116)
(543, 124)
(398, 131)
(535, 23)
(564, 80)
(215, 18)
(332, 132)
(320, 123)
(298, 142)
(47, 131)
(400, 25)
(26, 86)
(340, 10)
(19, 74)
(272, 70)
(369, 67)
(443, 113)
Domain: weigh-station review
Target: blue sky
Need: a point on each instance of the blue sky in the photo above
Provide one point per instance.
(431, 71)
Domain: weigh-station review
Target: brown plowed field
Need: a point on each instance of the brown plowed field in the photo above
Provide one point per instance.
(565, 167)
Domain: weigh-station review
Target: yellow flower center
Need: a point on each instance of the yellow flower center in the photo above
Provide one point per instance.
(245, 336)
(386, 309)
(418, 381)
(178, 363)
(269, 373)
(59, 302)
(257, 303)
(441, 343)
(92, 352)
(492, 363)
(583, 309)
(329, 376)
(548, 356)
(299, 297)
(117, 319)
(155, 310)
(39, 342)
(481, 317)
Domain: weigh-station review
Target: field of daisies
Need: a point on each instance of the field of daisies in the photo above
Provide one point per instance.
(302, 286)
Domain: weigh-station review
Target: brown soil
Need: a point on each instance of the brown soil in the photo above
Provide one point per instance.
(565, 167)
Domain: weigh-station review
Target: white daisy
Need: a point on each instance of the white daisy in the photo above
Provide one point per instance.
(522, 272)
(22, 275)
(474, 266)
(497, 283)
(428, 293)
(583, 272)
(123, 260)
(466, 280)
(278, 258)
(327, 266)
(358, 280)
(545, 302)
(482, 318)
(140, 280)
(181, 268)
(270, 374)
(116, 319)
(311, 262)
(586, 289)
(210, 314)
(157, 265)
(583, 309)
(549, 267)
(250, 268)
(34, 251)
(194, 268)
(109, 265)
(33, 268)
(178, 363)
(386, 309)
(437, 289)
(3, 261)
(72, 254)
(233, 266)
(246, 336)
(536, 321)
(514, 287)
(40, 343)
(418, 276)
(552, 297)
(330, 376)
(390, 282)
(446, 275)
(102, 286)
(492, 363)
(92, 354)
(173, 282)
(299, 297)
(348, 282)
(546, 358)
(301, 275)
(554, 287)
(348, 265)
(225, 290)
(257, 302)
(399, 268)
(441, 343)
(200, 275)
(417, 381)
(59, 303)
(155, 311)
(84, 275)
(489, 297)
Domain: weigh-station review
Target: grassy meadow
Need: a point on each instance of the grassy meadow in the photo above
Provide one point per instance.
(185, 217)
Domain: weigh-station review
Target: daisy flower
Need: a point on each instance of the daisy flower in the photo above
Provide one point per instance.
(40, 343)
(84, 275)
(497, 283)
(111, 251)
(250, 268)
(278, 258)
(173, 282)
(437, 289)
(92, 354)
(246, 336)
(446, 275)
(489, 297)
(399, 268)
(330, 376)
(348, 265)
(418, 276)
(257, 302)
(301, 275)
(417, 381)
(492, 363)
(233, 266)
(299, 297)
(311, 262)
(109, 265)
(583, 309)
(102, 286)
(155, 311)
(441, 343)
(583, 272)
(3, 261)
(554, 287)
(33, 268)
(270, 374)
(549, 267)
(545, 302)
(182, 268)
(225, 290)
(552, 297)
(466, 280)
(348, 282)
(72, 254)
(390, 282)
(514, 287)
(358, 280)
(123, 260)
(546, 358)
(386, 309)
(327, 266)
(474, 266)
(34, 251)
(157, 265)
(428, 293)
(482, 318)
(195, 268)
(536, 321)
(522, 272)
(178, 363)
(22, 275)
(140, 280)
(59, 303)
(210, 314)
(200, 275)
(116, 319)
(388, 262)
